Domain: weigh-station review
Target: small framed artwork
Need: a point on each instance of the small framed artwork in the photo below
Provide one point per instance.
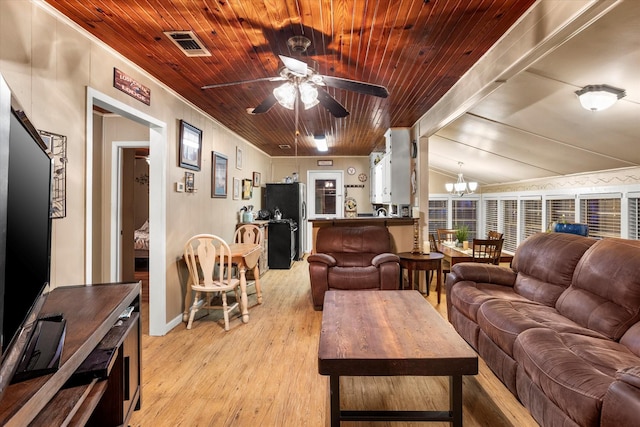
(190, 149)
(238, 158)
(189, 182)
(325, 162)
(218, 175)
(256, 179)
(236, 189)
(247, 189)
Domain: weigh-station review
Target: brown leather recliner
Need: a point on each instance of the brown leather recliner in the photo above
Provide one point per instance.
(352, 258)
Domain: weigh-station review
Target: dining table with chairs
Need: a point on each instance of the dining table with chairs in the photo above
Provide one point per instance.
(223, 270)
(454, 254)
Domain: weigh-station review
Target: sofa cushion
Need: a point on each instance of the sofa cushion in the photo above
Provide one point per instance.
(574, 371)
(605, 292)
(467, 296)
(545, 263)
(503, 321)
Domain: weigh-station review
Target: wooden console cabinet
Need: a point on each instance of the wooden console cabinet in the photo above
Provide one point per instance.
(92, 314)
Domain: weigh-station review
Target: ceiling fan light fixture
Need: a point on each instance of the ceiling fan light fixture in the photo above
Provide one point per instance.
(599, 97)
(286, 95)
(321, 142)
(308, 95)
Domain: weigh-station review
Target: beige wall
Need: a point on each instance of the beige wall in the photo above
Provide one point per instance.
(49, 64)
(282, 167)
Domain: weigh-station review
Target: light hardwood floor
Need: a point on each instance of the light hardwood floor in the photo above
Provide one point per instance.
(265, 373)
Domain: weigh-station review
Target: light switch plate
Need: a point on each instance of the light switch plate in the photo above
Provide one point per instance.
(180, 187)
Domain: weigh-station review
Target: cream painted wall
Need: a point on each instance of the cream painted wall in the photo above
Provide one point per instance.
(49, 63)
(285, 166)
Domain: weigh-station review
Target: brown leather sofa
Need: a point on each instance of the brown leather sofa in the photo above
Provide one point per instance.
(352, 258)
(561, 328)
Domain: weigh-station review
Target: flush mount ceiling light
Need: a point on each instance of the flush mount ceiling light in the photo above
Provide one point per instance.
(321, 142)
(461, 187)
(599, 97)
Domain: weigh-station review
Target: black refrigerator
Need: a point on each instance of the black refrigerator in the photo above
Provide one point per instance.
(291, 200)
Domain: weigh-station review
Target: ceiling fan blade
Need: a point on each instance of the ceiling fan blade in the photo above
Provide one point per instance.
(355, 86)
(331, 104)
(265, 105)
(295, 66)
(262, 79)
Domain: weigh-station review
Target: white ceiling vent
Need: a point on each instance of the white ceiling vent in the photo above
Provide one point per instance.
(188, 43)
(284, 146)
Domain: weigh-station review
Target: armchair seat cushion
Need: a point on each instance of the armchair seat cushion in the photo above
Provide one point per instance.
(354, 278)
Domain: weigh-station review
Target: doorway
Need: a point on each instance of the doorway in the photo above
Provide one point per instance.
(324, 197)
(158, 324)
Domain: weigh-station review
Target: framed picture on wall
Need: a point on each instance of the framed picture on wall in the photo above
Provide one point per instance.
(236, 189)
(247, 189)
(190, 149)
(218, 175)
(256, 179)
(238, 158)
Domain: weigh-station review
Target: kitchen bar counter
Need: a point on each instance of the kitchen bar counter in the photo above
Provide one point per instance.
(401, 229)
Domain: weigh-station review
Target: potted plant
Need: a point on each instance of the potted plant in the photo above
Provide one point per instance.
(462, 234)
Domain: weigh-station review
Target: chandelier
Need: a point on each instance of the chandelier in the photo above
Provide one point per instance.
(461, 187)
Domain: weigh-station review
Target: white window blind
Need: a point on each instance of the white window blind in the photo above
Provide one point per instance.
(561, 210)
(437, 215)
(465, 213)
(602, 216)
(510, 225)
(634, 218)
(490, 216)
(531, 217)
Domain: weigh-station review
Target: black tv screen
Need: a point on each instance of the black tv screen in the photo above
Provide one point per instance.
(28, 226)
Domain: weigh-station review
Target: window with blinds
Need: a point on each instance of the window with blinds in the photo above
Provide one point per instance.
(561, 210)
(510, 225)
(490, 216)
(602, 216)
(530, 217)
(634, 218)
(437, 215)
(465, 213)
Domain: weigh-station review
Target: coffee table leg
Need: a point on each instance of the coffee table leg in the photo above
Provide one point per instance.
(334, 389)
(455, 397)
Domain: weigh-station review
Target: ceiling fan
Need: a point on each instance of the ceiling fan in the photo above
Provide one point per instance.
(305, 83)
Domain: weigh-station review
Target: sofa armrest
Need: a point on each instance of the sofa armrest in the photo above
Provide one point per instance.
(621, 403)
(482, 273)
(629, 375)
(386, 257)
(322, 258)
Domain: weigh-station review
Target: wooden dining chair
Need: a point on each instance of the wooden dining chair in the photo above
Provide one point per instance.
(446, 234)
(250, 233)
(494, 235)
(446, 268)
(487, 251)
(208, 259)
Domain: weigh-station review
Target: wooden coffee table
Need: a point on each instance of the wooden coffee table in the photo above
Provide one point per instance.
(365, 333)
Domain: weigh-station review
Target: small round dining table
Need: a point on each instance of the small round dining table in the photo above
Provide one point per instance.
(412, 261)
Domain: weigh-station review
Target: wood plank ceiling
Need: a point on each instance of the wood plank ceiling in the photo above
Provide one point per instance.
(417, 49)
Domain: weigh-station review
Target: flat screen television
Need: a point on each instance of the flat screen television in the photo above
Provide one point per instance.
(25, 232)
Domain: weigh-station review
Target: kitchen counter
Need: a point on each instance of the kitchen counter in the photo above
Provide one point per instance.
(401, 229)
(361, 220)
